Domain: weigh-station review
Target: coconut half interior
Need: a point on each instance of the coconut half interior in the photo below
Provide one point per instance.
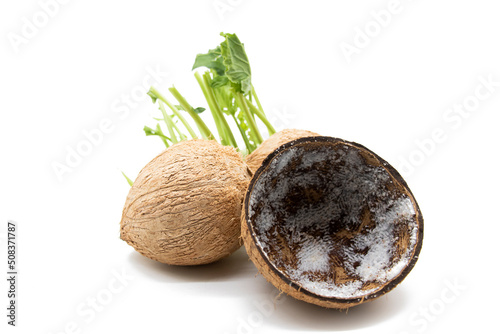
(331, 218)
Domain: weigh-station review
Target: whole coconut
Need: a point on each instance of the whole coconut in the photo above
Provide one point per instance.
(184, 207)
(255, 159)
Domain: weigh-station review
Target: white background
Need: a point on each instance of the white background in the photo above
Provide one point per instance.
(73, 72)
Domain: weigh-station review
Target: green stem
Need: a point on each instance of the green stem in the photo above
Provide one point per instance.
(175, 111)
(181, 135)
(215, 115)
(205, 131)
(167, 145)
(263, 118)
(243, 135)
(254, 130)
(160, 134)
(225, 125)
(168, 122)
(254, 94)
(214, 106)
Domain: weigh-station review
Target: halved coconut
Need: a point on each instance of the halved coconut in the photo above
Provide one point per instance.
(329, 222)
(254, 159)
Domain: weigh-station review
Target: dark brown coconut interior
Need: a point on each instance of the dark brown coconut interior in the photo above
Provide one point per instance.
(332, 219)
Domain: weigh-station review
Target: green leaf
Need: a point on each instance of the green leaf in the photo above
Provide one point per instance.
(219, 82)
(212, 59)
(236, 63)
(149, 131)
(199, 110)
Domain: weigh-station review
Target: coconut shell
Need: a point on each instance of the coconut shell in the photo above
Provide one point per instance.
(254, 159)
(184, 207)
(331, 223)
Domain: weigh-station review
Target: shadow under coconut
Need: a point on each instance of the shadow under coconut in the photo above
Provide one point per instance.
(298, 315)
(235, 267)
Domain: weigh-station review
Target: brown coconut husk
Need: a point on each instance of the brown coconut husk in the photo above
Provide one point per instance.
(274, 239)
(184, 207)
(254, 159)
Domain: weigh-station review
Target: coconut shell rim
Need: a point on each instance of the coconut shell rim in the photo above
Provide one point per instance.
(391, 170)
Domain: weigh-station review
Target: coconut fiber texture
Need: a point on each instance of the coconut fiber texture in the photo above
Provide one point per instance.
(184, 207)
